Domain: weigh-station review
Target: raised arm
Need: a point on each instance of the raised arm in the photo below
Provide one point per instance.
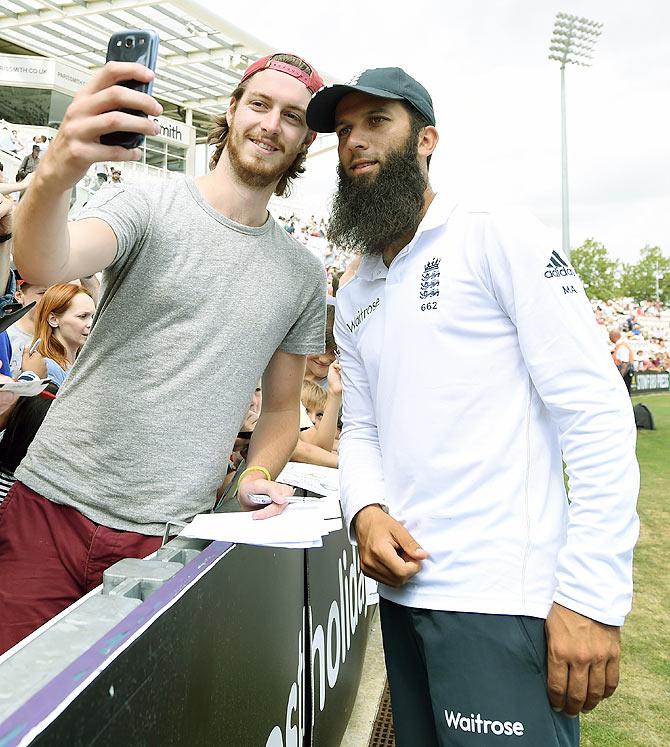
(48, 249)
(324, 436)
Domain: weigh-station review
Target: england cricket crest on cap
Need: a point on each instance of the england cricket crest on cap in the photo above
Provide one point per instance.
(430, 280)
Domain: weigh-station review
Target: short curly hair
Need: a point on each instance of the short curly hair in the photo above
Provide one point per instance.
(218, 133)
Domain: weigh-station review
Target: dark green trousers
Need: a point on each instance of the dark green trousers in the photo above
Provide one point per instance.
(461, 679)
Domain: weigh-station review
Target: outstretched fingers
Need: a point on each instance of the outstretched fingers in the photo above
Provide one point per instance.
(116, 72)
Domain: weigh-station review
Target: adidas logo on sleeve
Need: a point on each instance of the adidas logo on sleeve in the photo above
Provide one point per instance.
(557, 267)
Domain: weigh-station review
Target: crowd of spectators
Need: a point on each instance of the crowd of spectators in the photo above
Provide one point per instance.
(644, 328)
(312, 233)
(43, 330)
(30, 151)
(11, 142)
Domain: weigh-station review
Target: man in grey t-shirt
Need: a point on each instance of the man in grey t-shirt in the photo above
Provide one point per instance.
(203, 294)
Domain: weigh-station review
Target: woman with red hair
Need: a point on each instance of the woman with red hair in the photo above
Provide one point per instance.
(62, 324)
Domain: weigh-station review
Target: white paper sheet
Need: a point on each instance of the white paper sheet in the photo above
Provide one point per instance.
(25, 388)
(299, 525)
(320, 480)
(329, 508)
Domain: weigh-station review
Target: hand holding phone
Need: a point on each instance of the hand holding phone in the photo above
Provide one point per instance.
(137, 47)
(101, 107)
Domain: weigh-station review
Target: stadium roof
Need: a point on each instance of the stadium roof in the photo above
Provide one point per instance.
(201, 56)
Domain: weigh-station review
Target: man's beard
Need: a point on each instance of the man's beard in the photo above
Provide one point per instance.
(253, 172)
(370, 213)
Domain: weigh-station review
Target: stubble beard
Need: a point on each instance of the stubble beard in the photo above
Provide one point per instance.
(371, 212)
(252, 172)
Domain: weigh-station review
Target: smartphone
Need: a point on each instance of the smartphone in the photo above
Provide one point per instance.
(132, 46)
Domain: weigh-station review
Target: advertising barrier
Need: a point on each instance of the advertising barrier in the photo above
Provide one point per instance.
(644, 382)
(243, 646)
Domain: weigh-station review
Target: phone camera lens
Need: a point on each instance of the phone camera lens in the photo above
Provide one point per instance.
(129, 42)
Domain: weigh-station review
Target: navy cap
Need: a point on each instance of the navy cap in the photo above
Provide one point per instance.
(385, 82)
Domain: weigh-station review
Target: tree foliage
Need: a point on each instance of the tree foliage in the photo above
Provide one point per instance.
(596, 270)
(605, 278)
(639, 280)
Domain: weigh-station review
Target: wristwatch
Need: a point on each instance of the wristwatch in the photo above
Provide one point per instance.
(5, 237)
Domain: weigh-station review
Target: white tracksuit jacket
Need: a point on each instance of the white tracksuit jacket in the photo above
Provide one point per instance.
(469, 366)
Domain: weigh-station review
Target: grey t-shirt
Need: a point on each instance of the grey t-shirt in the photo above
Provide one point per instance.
(141, 431)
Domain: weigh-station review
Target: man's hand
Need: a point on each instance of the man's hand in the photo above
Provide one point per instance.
(583, 660)
(388, 552)
(94, 111)
(35, 362)
(275, 490)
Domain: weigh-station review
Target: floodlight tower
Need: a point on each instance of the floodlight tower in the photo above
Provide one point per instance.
(571, 43)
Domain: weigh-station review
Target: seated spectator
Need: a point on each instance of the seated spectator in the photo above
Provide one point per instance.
(101, 172)
(62, 324)
(22, 333)
(7, 142)
(42, 142)
(20, 147)
(641, 361)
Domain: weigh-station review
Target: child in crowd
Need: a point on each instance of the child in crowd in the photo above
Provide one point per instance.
(314, 399)
(316, 445)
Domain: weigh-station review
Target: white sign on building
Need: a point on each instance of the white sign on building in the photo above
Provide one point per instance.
(26, 70)
(41, 72)
(175, 132)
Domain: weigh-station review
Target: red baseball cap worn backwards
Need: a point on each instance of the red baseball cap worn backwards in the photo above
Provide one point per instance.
(313, 82)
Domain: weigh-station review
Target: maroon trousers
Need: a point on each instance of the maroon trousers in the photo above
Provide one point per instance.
(50, 556)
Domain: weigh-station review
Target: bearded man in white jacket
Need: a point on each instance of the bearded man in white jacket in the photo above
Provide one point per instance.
(501, 595)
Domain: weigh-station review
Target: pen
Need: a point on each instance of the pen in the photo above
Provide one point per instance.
(34, 347)
(265, 500)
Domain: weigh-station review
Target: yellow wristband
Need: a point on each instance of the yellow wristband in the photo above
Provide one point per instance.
(255, 468)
